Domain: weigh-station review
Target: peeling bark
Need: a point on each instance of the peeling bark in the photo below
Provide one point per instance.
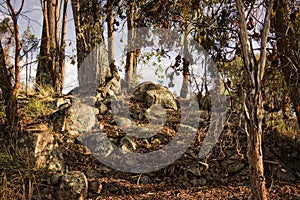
(253, 104)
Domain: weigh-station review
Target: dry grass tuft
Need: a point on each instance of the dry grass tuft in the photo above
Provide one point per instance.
(18, 178)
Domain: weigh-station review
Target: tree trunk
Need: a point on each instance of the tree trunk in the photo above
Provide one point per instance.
(253, 104)
(130, 67)
(11, 107)
(10, 88)
(62, 46)
(89, 34)
(50, 71)
(287, 52)
(186, 64)
(110, 34)
(44, 72)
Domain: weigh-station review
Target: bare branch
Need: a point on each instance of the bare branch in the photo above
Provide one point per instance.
(264, 40)
(21, 8)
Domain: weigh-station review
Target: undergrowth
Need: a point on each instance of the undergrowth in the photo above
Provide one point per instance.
(38, 103)
(19, 179)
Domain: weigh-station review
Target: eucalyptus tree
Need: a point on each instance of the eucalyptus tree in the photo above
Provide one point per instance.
(51, 66)
(10, 75)
(111, 7)
(252, 96)
(89, 16)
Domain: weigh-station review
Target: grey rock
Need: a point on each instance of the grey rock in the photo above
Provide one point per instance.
(62, 101)
(56, 178)
(45, 194)
(73, 185)
(123, 122)
(84, 117)
(143, 179)
(98, 144)
(284, 175)
(56, 162)
(136, 114)
(128, 144)
(44, 147)
(90, 173)
(235, 167)
(150, 93)
(198, 182)
(95, 187)
(102, 108)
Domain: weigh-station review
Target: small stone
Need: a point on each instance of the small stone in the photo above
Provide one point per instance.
(73, 186)
(198, 182)
(92, 173)
(284, 175)
(144, 179)
(102, 108)
(95, 187)
(128, 144)
(110, 93)
(235, 167)
(96, 111)
(56, 161)
(123, 122)
(56, 178)
(62, 101)
(45, 194)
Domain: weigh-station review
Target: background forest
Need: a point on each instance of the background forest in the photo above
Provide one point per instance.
(255, 46)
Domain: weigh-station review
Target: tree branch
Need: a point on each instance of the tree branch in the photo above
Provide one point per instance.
(264, 40)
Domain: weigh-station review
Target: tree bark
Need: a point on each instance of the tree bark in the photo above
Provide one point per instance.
(186, 63)
(62, 46)
(253, 104)
(50, 71)
(110, 34)
(287, 52)
(11, 107)
(89, 34)
(9, 82)
(130, 67)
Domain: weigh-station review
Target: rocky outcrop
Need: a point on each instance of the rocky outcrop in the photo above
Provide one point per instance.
(44, 147)
(150, 93)
(73, 121)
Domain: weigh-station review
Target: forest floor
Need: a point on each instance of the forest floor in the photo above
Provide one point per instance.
(223, 174)
(179, 181)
